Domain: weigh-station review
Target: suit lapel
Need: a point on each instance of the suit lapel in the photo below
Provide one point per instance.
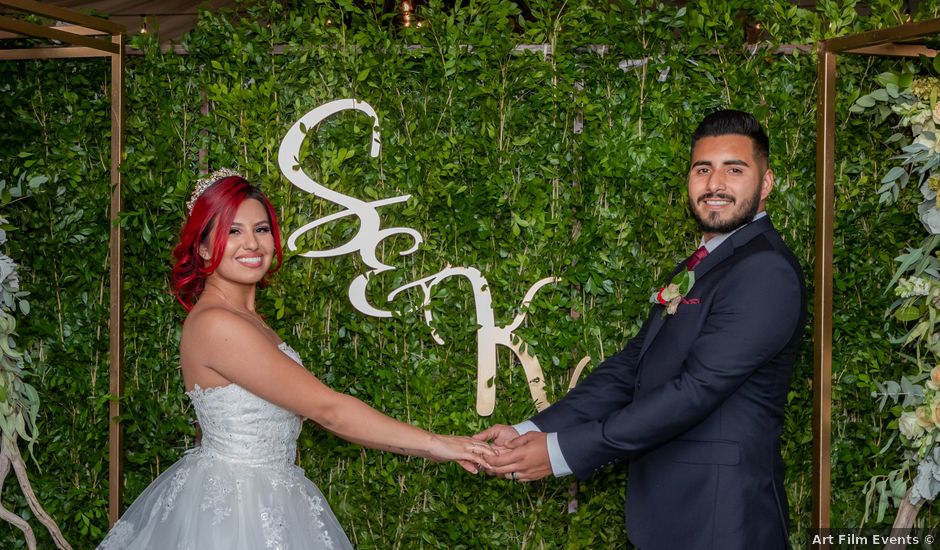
(714, 258)
(659, 318)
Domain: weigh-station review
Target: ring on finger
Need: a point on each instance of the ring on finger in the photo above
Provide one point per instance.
(512, 476)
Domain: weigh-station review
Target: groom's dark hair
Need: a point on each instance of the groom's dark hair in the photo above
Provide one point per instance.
(729, 121)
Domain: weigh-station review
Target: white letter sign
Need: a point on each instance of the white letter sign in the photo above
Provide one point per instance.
(370, 235)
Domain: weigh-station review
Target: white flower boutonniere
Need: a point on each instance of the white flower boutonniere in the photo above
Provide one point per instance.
(675, 292)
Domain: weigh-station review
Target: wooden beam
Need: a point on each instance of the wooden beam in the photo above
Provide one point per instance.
(67, 15)
(51, 52)
(74, 29)
(31, 29)
(883, 36)
(822, 304)
(894, 50)
(116, 326)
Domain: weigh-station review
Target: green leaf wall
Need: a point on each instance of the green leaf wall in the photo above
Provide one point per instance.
(484, 139)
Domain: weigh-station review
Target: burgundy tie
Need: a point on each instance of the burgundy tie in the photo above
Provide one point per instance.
(696, 257)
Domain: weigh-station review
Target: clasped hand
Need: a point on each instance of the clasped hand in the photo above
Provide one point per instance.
(519, 457)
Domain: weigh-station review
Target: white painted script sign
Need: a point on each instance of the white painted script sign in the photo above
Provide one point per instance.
(371, 234)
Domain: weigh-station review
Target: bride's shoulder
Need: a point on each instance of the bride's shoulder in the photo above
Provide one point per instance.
(211, 321)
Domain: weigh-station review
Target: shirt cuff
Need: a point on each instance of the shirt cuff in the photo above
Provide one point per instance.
(559, 464)
(525, 427)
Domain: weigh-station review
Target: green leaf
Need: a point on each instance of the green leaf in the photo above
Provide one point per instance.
(907, 314)
(893, 174)
(36, 181)
(886, 78)
(865, 101)
(686, 280)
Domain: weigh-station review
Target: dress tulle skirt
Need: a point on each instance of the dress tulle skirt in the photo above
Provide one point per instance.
(205, 502)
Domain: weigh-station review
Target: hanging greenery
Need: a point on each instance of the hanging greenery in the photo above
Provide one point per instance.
(19, 403)
(911, 103)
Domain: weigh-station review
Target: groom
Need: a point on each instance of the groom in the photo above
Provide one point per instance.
(695, 400)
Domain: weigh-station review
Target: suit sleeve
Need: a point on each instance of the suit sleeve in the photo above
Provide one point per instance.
(754, 314)
(607, 388)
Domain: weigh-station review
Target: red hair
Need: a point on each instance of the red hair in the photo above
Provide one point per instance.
(213, 214)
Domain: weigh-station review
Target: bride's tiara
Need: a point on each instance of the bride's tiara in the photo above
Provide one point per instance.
(207, 182)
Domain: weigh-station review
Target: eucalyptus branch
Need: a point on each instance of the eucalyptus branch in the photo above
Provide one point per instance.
(19, 404)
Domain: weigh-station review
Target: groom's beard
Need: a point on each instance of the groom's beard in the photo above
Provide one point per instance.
(742, 214)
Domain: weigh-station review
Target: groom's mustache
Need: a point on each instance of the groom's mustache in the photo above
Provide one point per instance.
(723, 196)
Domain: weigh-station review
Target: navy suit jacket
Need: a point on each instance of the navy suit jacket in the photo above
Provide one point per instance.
(695, 403)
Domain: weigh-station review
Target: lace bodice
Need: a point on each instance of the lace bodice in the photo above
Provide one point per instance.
(240, 427)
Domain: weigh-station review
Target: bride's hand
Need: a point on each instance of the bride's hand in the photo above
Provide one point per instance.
(466, 451)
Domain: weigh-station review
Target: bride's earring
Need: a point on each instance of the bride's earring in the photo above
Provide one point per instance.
(204, 254)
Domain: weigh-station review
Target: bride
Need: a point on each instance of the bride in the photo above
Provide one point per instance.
(240, 489)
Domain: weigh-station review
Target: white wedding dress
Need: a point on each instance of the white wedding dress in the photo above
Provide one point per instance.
(240, 490)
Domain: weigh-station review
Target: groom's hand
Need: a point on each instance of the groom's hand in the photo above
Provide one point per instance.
(499, 434)
(526, 460)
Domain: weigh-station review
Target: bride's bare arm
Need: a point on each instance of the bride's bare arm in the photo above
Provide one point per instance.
(233, 347)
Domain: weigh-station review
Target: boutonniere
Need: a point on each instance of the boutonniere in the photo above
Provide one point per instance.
(675, 292)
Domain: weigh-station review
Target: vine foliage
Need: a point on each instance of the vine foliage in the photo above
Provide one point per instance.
(565, 159)
(19, 404)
